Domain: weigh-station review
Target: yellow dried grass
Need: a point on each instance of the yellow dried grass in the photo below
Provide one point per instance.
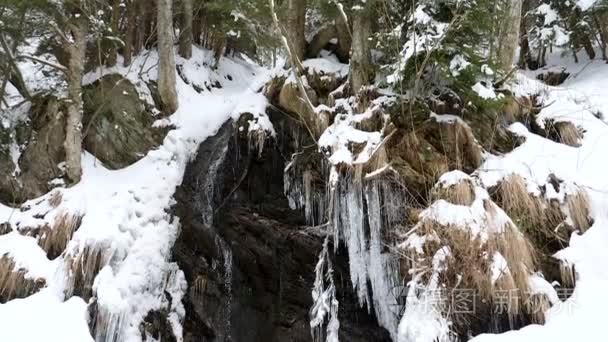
(13, 283)
(82, 270)
(578, 210)
(55, 239)
(569, 134)
(461, 193)
(470, 267)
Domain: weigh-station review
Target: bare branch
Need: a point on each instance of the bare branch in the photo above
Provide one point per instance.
(42, 61)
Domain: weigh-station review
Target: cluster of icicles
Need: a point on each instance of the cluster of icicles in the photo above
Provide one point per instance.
(356, 212)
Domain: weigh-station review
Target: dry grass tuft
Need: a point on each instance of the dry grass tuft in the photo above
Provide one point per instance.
(456, 141)
(568, 133)
(578, 210)
(55, 239)
(470, 266)
(461, 193)
(568, 274)
(199, 286)
(536, 217)
(13, 283)
(55, 199)
(82, 270)
(257, 140)
(514, 198)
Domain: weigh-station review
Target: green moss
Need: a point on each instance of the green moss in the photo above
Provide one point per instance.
(117, 125)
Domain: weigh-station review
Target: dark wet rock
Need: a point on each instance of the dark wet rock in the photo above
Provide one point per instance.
(247, 257)
(553, 78)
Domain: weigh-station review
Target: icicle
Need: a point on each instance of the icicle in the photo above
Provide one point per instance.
(325, 304)
(109, 325)
(292, 188)
(348, 219)
(382, 267)
(299, 188)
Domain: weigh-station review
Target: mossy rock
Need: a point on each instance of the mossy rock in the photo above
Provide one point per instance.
(44, 151)
(40, 140)
(117, 126)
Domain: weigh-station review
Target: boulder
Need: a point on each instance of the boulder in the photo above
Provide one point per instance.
(118, 128)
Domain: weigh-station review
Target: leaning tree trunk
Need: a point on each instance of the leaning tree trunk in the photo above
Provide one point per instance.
(296, 22)
(508, 40)
(166, 67)
(76, 49)
(361, 68)
(185, 35)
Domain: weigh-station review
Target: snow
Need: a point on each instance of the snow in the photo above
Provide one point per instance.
(484, 91)
(452, 178)
(327, 65)
(499, 267)
(581, 316)
(586, 4)
(341, 134)
(458, 64)
(475, 218)
(125, 211)
(27, 255)
(44, 317)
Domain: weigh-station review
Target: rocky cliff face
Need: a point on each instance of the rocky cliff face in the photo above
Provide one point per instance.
(248, 258)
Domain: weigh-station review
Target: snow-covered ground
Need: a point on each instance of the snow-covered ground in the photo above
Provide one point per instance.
(125, 213)
(582, 100)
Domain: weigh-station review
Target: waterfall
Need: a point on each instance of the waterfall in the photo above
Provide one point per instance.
(226, 254)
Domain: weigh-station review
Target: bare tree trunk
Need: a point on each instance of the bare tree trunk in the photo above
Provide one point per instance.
(166, 67)
(361, 68)
(197, 29)
(140, 24)
(602, 27)
(12, 69)
(509, 36)
(296, 21)
(130, 36)
(112, 50)
(185, 35)
(344, 39)
(73, 130)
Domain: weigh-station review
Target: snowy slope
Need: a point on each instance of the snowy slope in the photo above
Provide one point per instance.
(582, 100)
(125, 213)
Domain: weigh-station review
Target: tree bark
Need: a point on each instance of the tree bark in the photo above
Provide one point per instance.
(166, 67)
(112, 50)
(601, 22)
(361, 68)
(141, 21)
(344, 39)
(506, 53)
(185, 35)
(130, 35)
(296, 21)
(76, 49)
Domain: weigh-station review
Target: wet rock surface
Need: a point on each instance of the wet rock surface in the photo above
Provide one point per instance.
(248, 258)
